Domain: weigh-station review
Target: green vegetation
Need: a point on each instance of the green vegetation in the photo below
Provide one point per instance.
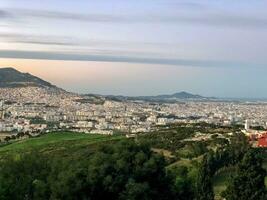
(212, 171)
(123, 170)
(204, 190)
(248, 181)
(221, 179)
(166, 164)
(174, 138)
(61, 141)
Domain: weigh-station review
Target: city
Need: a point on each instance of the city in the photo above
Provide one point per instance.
(133, 100)
(36, 110)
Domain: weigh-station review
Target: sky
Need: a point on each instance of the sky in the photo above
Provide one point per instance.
(148, 47)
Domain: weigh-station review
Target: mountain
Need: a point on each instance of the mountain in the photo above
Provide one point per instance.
(10, 77)
(179, 96)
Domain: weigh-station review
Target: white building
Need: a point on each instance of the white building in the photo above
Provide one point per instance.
(247, 125)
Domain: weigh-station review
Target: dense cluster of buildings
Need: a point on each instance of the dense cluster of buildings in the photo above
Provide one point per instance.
(34, 109)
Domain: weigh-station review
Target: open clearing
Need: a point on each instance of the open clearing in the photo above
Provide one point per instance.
(57, 141)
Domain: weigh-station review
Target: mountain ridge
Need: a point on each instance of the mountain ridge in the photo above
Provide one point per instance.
(159, 98)
(181, 95)
(10, 77)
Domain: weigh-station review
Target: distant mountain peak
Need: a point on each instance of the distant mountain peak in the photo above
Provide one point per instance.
(10, 77)
(178, 95)
(160, 98)
(185, 95)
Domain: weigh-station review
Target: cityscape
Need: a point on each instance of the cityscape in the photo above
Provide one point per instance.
(40, 109)
(181, 127)
(35, 110)
(133, 100)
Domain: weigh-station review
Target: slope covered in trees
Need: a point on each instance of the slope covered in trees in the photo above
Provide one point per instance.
(80, 166)
(121, 170)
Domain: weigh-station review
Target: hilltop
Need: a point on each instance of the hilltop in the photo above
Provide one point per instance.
(12, 78)
(179, 96)
(16, 86)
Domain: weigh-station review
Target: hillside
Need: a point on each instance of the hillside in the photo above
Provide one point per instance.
(10, 77)
(179, 96)
(21, 87)
(61, 142)
(83, 166)
(55, 160)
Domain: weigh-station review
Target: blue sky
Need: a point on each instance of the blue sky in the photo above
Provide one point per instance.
(214, 48)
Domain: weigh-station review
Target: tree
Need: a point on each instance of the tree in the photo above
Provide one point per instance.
(24, 177)
(248, 183)
(116, 171)
(7, 139)
(239, 145)
(204, 189)
(182, 182)
(127, 171)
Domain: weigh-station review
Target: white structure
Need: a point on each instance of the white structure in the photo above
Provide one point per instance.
(2, 112)
(102, 132)
(247, 125)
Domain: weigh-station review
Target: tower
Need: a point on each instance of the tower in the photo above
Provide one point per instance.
(247, 125)
(2, 113)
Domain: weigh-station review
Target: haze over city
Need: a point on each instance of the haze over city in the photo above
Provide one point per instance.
(212, 48)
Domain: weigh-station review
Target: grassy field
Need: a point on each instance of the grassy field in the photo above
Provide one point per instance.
(61, 141)
(265, 167)
(220, 181)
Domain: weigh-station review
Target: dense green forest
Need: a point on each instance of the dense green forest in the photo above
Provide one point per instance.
(161, 165)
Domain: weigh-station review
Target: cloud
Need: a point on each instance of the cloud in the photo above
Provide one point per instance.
(11, 37)
(201, 18)
(76, 16)
(227, 20)
(188, 4)
(34, 39)
(115, 58)
(4, 14)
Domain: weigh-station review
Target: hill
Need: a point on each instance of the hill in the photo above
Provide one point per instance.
(179, 96)
(66, 164)
(10, 77)
(84, 167)
(16, 86)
